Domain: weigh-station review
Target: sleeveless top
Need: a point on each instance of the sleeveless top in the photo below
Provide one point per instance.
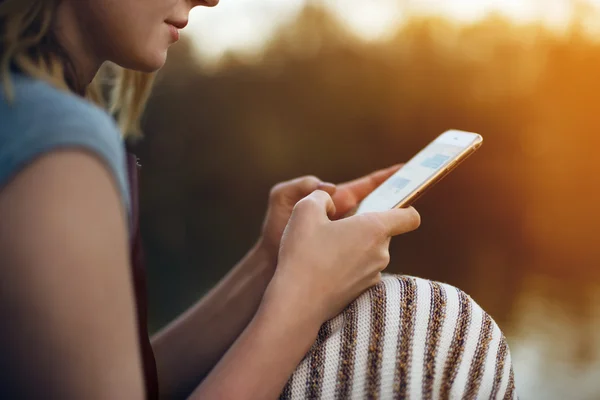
(41, 119)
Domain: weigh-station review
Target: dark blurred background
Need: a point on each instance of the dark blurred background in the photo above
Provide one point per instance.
(516, 226)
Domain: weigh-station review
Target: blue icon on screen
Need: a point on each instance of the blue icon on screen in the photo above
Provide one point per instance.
(400, 183)
(435, 162)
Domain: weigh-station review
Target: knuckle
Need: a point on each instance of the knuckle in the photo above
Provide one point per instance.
(277, 191)
(310, 180)
(377, 227)
(302, 205)
(305, 184)
(308, 202)
(385, 258)
(319, 195)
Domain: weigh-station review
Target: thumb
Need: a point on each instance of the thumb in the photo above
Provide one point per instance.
(318, 202)
(400, 220)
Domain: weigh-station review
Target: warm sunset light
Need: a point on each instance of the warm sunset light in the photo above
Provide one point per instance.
(244, 25)
(265, 91)
(218, 201)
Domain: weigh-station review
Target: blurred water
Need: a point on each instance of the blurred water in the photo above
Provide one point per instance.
(555, 346)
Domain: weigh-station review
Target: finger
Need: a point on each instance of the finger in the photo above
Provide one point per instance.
(400, 220)
(330, 188)
(378, 177)
(349, 194)
(296, 189)
(301, 187)
(361, 187)
(318, 202)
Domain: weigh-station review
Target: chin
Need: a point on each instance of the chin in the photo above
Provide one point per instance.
(150, 65)
(150, 62)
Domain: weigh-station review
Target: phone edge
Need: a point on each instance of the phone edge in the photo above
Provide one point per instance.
(433, 180)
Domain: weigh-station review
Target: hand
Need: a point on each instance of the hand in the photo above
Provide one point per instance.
(282, 199)
(285, 195)
(324, 265)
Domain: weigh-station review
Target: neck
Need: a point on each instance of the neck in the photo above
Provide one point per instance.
(72, 39)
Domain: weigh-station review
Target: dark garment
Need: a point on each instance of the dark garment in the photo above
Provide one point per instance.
(139, 280)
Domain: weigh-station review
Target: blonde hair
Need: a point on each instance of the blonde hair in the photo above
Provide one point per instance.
(27, 44)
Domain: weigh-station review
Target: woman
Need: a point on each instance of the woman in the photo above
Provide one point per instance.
(72, 289)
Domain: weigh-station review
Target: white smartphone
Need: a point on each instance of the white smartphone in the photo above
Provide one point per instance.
(423, 171)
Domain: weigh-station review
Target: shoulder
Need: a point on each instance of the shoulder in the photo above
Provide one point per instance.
(41, 119)
(41, 115)
(30, 92)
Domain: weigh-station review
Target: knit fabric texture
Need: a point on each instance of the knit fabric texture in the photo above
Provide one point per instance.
(407, 338)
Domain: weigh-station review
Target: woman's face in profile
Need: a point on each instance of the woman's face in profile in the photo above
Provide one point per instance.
(135, 34)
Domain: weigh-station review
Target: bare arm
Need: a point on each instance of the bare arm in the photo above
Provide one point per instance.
(65, 287)
(322, 266)
(261, 361)
(187, 349)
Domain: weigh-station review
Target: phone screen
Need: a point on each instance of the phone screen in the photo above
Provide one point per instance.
(437, 156)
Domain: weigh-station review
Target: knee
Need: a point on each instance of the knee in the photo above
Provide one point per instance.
(447, 344)
(408, 338)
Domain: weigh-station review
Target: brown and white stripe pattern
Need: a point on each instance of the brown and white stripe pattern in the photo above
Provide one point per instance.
(347, 354)
(458, 346)
(407, 338)
(434, 331)
(377, 329)
(314, 380)
(476, 369)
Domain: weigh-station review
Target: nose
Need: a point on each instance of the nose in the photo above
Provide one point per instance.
(204, 3)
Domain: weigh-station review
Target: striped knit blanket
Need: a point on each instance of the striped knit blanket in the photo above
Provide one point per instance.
(407, 338)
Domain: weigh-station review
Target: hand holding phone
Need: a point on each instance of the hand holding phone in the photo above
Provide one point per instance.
(423, 171)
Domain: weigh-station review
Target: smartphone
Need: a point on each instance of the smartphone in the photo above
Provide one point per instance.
(423, 171)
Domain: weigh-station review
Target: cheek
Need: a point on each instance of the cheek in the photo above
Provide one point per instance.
(133, 35)
(146, 39)
(151, 48)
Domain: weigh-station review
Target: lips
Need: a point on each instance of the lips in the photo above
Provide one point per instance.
(174, 32)
(178, 24)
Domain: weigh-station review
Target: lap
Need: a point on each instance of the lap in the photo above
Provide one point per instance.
(407, 338)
